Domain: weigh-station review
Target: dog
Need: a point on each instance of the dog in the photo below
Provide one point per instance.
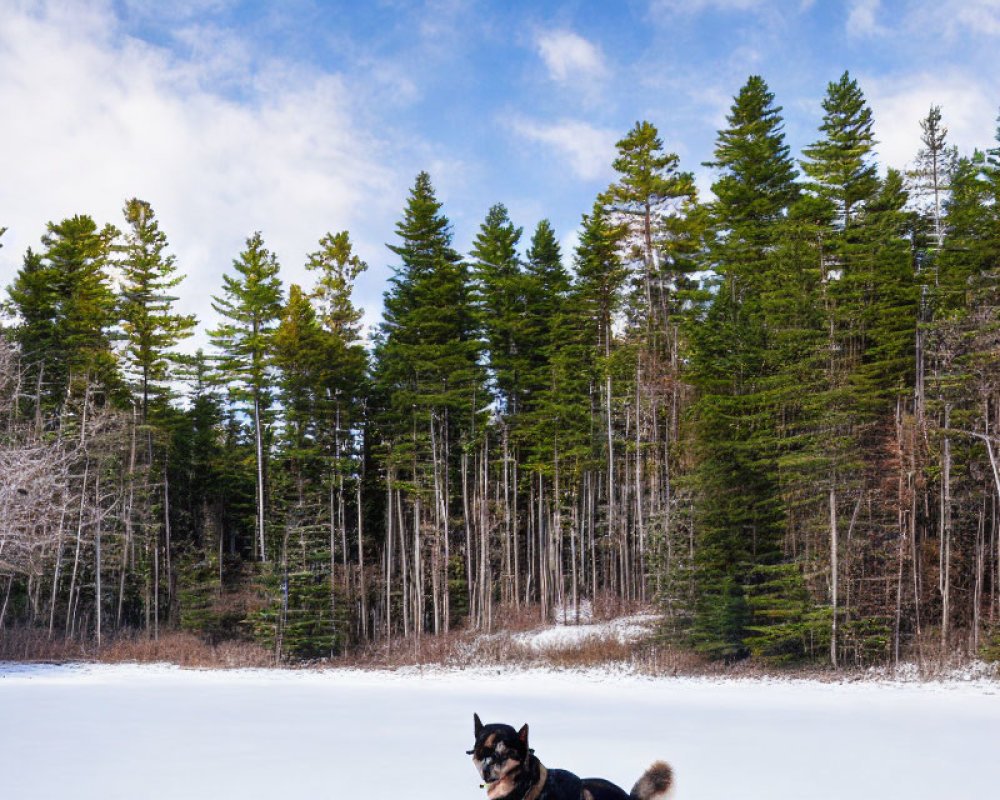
(511, 771)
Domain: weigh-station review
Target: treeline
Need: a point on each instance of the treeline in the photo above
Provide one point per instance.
(771, 413)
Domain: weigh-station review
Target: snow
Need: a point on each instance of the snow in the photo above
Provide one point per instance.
(568, 635)
(86, 731)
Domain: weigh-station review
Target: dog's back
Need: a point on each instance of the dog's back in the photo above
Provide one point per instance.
(600, 789)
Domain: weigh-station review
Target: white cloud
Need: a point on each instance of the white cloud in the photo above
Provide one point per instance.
(979, 15)
(861, 20)
(952, 18)
(588, 150)
(570, 58)
(965, 16)
(659, 7)
(967, 109)
(93, 117)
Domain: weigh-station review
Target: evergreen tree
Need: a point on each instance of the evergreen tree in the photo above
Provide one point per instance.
(343, 381)
(33, 299)
(250, 304)
(428, 355)
(339, 267)
(597, 298)
(152, 329)
(601, 277)
(500, 288)
(67, 307)
(650, 198)
(840, 164)
(930, 178)
(546, 283)
(868, 302)
(740, 519)
(428, 372)
(300, 618)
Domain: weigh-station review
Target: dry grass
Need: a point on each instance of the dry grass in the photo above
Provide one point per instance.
(473, 648)
(187, 650)
(32, 644)
(183, 649)
(464, 648)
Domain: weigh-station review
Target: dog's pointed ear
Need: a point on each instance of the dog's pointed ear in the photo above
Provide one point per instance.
(478, 723)
(523, 734)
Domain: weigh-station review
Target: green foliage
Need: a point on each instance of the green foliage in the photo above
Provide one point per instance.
(733, 360)
(339, 267)
(600, 276)
(152, 329)
(786, 626)
(651, 207)
(500, 290)
(250, 306)
(757, 175)
(301, 615)
(64, 298)
(428, 354)
(840, 164)
(989, 650)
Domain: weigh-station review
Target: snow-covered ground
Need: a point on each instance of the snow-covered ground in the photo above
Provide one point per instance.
(562, 636)
(157, 732)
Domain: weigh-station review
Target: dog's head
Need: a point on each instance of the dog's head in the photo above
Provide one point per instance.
(498, 755)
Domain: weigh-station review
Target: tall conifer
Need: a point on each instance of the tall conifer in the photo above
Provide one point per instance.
(152, 328)
(250, 305)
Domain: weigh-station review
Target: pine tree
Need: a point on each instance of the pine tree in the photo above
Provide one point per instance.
(251, 303)
(868, 302)
(650, 197)
(500, 288)
(930, 178)
(740, 515)
(840, 164)
(546, 284)
(65, 300)
(343, 382)
(304, 617)
(339, 267)
(152, 329)
(33, 299)
(428, 372)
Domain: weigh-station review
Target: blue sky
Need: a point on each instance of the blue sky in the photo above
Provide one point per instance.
(299, 117)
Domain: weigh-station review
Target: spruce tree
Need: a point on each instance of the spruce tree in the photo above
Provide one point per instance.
(929, 181)
(250, 305)
(649, 199)
(740, 515)
(546, 283)
(67, 307)
(840, 164)
(339, 267)
(868, 302)
(429, 349)
(152, 328)
(500, 288)
(342, 385)
(303, 615)
(428, 373)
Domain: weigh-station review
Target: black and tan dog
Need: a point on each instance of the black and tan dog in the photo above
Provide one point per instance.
(511, 771)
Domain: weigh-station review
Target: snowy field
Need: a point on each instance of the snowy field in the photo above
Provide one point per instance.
(158, 732)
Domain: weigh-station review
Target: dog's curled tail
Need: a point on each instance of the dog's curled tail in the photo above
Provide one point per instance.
(655, 783)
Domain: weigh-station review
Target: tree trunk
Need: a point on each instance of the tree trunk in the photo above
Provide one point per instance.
(944, 559)
(259, 449)
(834, 571)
